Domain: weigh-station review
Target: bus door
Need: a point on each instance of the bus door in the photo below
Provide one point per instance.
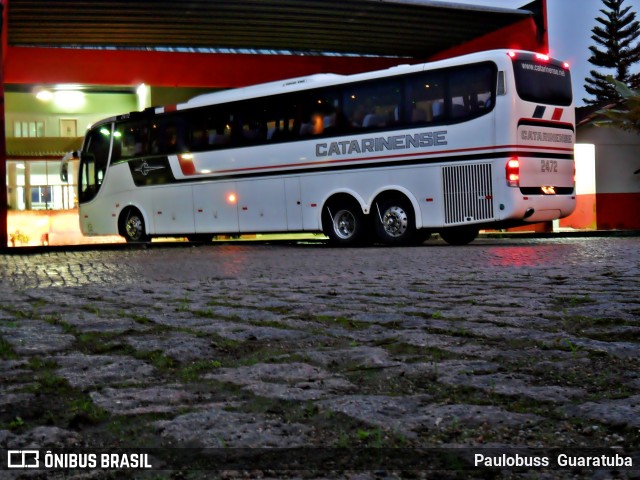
(173, 210)
(261, 205)
(293, 196)
(216, 207)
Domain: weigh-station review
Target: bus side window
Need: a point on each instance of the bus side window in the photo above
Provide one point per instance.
(373, 105)
(219, 135)
(318, 113)
(280, 117)
(167, 135)
(425, 98)
(472, 91)
(197, 130)
(132, 138)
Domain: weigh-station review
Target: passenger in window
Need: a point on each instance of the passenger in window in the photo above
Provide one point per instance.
(199, 138)
(253, 132)
(358, 115)
(175, 143)
(458, 111)
(306, 127)
(418, 115)
(372, 120)
(281, 130)
(172, 144)
(138, 148)
(218, 137)
(329, 120)
(318, 123)
(313, 126)
(438, 110)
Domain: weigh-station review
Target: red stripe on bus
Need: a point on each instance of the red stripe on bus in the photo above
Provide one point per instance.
(557, 114)
(186, 164)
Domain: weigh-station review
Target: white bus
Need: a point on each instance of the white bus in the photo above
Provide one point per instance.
(478, 141)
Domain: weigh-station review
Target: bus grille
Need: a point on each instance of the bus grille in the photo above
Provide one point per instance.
(468, 193)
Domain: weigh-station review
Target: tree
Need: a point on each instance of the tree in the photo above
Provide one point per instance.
(626, 114)
(617, 35)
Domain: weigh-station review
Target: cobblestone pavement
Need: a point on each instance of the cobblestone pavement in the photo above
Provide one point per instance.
(499, 344)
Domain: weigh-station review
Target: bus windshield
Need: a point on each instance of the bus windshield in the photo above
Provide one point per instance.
(93, 163)
(542, 82)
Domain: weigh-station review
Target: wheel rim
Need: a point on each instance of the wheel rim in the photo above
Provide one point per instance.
(344, 224)
(395, 221)
(134, 227)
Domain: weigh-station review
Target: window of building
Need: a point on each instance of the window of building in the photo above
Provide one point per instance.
(36, 185)
(28, 129)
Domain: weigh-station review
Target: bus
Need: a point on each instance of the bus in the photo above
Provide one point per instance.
(480, 141)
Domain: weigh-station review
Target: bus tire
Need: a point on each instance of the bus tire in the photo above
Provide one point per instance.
(395, 221)
(132, 226)
(459, 235)
(343, 222)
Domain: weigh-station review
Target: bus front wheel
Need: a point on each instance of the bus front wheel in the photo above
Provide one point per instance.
(343, 222)
(459, 235)
(133, 227)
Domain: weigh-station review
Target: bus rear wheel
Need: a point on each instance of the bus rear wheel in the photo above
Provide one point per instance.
(459, 235)
(133, 227)
(343, 222)
(395, 222)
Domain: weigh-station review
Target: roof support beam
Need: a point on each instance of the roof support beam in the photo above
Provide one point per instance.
(32, 65)
(522, 35)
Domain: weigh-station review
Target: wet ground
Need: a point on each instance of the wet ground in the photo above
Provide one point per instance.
(501, 344)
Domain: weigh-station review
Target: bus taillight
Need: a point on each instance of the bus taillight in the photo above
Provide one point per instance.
(542, 56)
(513, 172)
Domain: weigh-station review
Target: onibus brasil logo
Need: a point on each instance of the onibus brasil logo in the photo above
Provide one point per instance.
(28, 459)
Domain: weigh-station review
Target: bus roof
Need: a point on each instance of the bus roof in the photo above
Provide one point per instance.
(324, 79)
(258, 90)
(310, 82)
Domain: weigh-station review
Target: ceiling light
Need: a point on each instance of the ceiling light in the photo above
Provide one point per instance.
(44, 95)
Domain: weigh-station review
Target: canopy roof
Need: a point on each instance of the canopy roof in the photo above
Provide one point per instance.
(399, 28)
